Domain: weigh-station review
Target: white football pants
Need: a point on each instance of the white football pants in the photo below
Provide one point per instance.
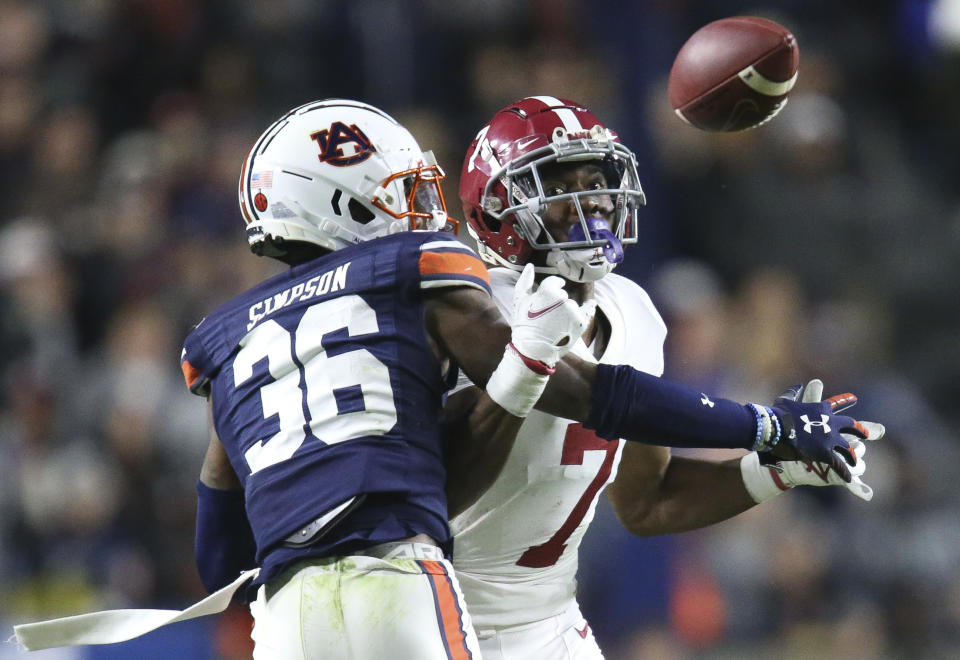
(406, 605)
(566, 636)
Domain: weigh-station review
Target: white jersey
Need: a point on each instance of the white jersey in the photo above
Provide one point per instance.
(515, 549)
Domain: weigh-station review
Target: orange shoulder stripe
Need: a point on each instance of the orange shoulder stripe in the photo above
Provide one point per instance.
(452, 263)
(190, 373)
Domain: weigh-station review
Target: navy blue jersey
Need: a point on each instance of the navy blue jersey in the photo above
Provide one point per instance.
(323, 387)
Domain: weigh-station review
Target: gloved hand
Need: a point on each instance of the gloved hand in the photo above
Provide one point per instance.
(793, 430)
(765, 476)
(546, 323)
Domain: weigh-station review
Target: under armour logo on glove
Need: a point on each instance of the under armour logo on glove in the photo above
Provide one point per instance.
(764, 476)
(832, 445)
(808, 425)
(705, 400)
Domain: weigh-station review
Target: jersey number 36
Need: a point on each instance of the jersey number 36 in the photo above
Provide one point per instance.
(331, 398)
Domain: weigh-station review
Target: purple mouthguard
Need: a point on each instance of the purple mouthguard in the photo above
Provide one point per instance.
(600, 231)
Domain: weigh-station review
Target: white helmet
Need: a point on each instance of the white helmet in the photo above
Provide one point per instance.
(334, 173)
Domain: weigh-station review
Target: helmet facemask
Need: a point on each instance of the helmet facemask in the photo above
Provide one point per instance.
(594, 245)
(421, 198)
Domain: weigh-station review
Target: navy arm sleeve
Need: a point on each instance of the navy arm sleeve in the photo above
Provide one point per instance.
(636, 406)
(224, 545)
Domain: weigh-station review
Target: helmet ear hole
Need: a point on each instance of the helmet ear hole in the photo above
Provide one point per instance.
(359, 212)
(482, 218)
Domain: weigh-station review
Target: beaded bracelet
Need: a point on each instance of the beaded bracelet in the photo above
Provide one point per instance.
(768, 428)
(758, 440)
(777, 428)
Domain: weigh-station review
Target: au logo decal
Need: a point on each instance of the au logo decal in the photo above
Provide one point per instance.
(333, 140)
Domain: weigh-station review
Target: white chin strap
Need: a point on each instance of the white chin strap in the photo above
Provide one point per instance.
(586, 265)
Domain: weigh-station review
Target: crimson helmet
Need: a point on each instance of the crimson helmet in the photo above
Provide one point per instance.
(502, 190)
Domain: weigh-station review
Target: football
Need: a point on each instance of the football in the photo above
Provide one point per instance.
(734, 73)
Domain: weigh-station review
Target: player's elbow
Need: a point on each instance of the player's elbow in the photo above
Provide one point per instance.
(635, 517)
(639, 526)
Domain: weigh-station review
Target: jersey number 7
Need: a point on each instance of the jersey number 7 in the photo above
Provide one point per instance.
(575, 443)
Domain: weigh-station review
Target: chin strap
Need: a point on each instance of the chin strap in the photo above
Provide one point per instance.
(575, 265)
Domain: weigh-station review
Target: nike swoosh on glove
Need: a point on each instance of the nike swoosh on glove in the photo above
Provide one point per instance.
(546, 322)
(546, 325)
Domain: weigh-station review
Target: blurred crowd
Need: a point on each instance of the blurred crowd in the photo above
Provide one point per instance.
(820, 245)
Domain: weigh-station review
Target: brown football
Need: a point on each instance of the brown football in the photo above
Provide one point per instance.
(734, 73)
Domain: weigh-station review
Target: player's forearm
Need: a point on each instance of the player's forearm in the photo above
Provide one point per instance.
(621, 402)
(693, 494)
(478, 442)
(224, 544)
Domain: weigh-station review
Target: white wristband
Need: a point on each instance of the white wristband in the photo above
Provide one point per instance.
(514, 386)
(761, 481)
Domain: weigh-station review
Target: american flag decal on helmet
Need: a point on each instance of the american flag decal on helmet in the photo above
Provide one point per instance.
(262, 179)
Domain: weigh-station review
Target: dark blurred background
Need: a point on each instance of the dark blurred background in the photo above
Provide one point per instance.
(823, 244)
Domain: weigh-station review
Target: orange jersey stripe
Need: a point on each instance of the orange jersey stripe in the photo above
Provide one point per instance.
(190, 373)
(452, 263)
(449, 609)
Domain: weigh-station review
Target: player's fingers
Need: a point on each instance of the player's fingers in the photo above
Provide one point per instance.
(846, 452)
(860, 489)
(525, 283)
(848, 426)
(792, 394)
(859, 469)
(841, 402)
(858, 449)
(840, 467)
(856, 446)
(553, 285)
(813, 391)
(874, 430)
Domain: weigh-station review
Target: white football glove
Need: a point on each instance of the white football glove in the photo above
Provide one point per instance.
(546, 325)
(763, 481)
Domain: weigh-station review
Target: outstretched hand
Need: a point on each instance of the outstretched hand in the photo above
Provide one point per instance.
(813, 432)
